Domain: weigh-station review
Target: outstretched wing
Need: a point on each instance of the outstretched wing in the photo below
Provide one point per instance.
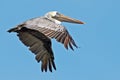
(52, 30)
(39, 44)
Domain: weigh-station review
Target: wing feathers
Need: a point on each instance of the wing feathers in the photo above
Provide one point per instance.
(40, 45)
(66, 42)
(70, 46)
(51, 30)
(44, 63)
(50, 67)
(40, 55)
(59, 33)
(61, 36)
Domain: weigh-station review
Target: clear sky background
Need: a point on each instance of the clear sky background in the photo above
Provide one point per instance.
(98, 57)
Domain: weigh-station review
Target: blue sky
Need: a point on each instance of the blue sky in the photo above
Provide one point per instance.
(98, 57)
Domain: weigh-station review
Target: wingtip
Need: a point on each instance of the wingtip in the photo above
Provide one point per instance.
(9, 30)
(50, 65)
(12, 30)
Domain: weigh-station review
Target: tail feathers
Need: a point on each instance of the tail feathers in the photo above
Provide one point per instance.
(13, 30)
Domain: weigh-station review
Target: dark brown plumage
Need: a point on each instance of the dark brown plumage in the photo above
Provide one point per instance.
(39, 44)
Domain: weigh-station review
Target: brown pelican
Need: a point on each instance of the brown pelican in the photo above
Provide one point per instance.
(37, 33)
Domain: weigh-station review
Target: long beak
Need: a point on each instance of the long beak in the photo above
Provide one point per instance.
(63, 18)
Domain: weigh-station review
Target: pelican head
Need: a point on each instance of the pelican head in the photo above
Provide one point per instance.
(58, 18)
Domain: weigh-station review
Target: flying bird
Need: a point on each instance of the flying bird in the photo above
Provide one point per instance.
(37, 33)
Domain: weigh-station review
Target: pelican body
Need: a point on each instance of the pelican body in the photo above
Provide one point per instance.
(37, 33)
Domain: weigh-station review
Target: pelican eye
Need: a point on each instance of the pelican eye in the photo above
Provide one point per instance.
(57, 15)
